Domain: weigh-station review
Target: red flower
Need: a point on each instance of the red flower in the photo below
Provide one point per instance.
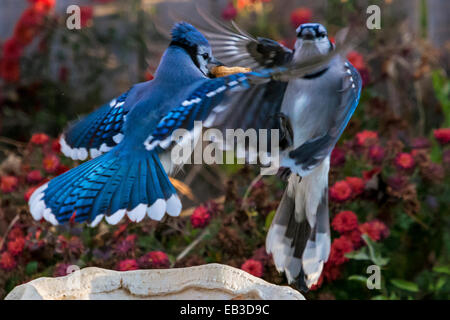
(357, 60)
(8, 184)
(254, 267)
(337, 157)
(300, 16)
(28, 25)
(128, 264)
(15, 233)
(87, 13)
(10, 69)
(12, 49)
(34, 176)
(230, 12)
(339, 248)
(375, 229)
(29, 193)
(39, 138)
(356, 184)
(331, 272)
(442, 135)
(51, 163)
(7, 261)
(340, 191)
(355, 237)
(404, 161)
(56, 147)
(376, 153)
(15, 247)
(200, 218)
(366, 138)
(155, 260)
(44, 5)
(345, 221)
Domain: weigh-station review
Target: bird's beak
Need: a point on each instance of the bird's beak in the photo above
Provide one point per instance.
(212, 64)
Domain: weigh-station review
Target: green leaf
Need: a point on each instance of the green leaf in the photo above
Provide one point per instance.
(440, 284)
(405, 285)
(375, 256)
(357, 277)
(358, 255)
(31, 268)
(442, 269)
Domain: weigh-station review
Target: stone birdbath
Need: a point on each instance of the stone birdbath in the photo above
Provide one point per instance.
(211, 281)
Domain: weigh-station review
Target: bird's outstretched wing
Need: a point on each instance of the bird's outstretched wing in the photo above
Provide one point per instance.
(97, 132)
(233, 46)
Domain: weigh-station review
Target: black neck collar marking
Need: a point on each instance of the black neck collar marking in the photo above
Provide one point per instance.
(316, 74)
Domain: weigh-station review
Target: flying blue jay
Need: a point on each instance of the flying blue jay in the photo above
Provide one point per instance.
(311, 110)
(129, 139)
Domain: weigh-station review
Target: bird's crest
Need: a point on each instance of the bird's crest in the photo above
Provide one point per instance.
(186, 34)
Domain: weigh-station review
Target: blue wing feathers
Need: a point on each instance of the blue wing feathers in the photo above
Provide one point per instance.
(96, 129)
(106, 185)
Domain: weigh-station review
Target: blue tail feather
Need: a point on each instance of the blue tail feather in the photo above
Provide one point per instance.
(108, 185)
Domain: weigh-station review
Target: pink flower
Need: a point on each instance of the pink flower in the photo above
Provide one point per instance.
(375, 229)
(128, 264)
(34, 176)
(7, 261)
(404, 161)
(300, 16)
(200, 218)
(366, 138)
(8, 184)
(337, 157)
(340, 191)
(376, 153)
(356, 184)
(254, 267)
(155, 260)
(230, 12)
(39, 139)
(345, 221)
(442, 135)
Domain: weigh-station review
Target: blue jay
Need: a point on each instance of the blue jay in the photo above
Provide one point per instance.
(129, 139)
(311, 110)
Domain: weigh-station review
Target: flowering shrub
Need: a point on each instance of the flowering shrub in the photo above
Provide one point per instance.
(388, 188)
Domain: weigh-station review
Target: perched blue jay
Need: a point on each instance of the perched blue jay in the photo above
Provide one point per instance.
(311, 110)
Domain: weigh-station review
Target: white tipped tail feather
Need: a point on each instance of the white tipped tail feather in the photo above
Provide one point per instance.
(299, 237)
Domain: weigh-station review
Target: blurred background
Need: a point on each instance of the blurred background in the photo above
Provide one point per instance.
(389, 184)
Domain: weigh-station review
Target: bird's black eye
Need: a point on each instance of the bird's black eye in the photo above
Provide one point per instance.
(205, 56)
(322, 34)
